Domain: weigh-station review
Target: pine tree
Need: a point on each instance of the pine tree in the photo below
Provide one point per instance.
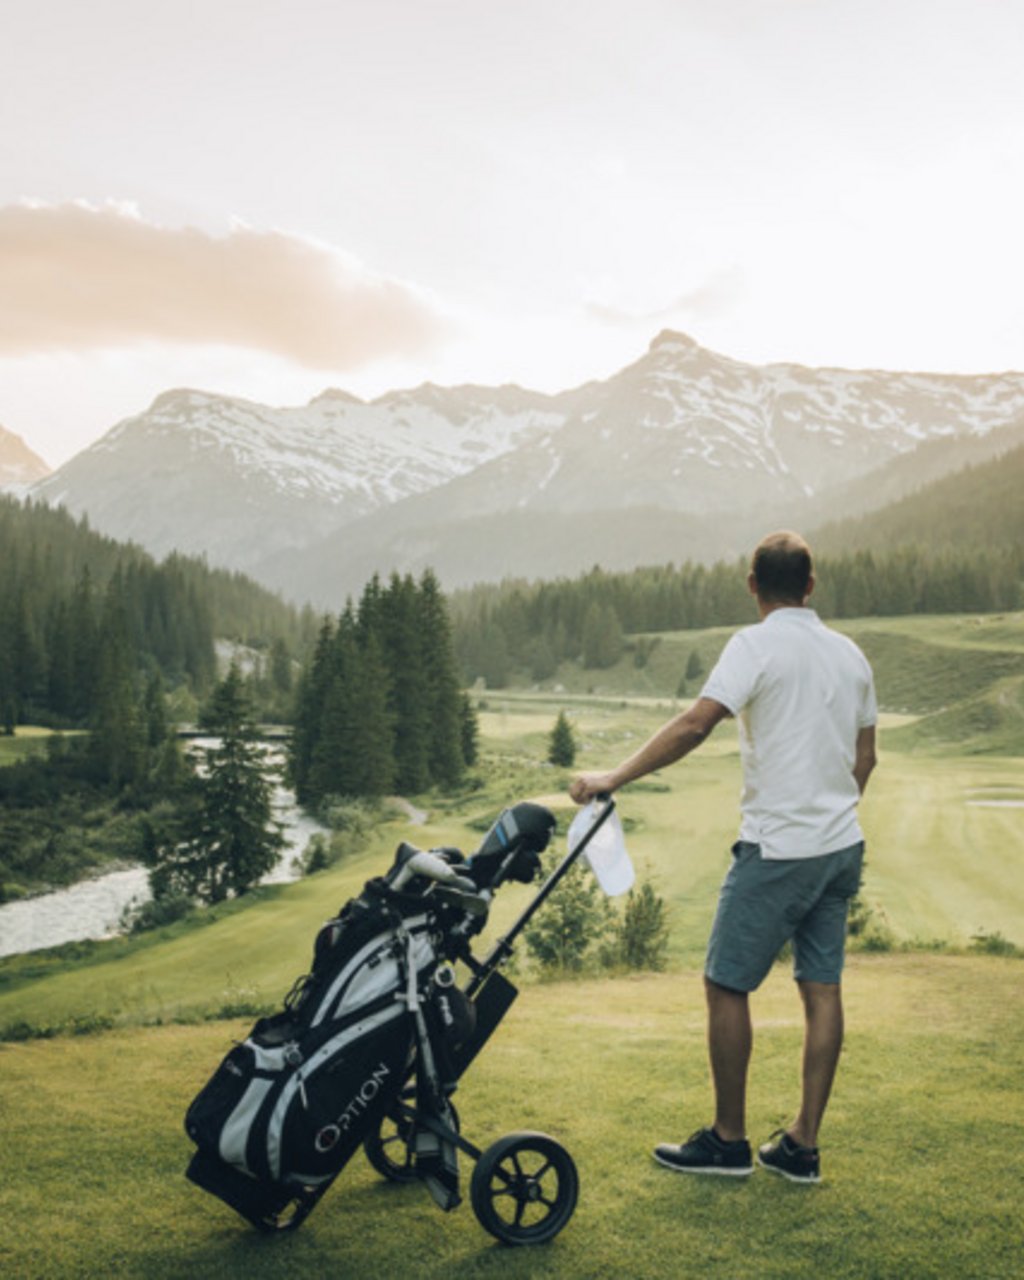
(562, 743)
(230, 840)
(330, 758)
(442, 694)
(494, 663)
(470, 731)
(310, 700)
(354, 755)
(574, 921)
(395, 624)
(117, 742)
(543, 663)
(642, 932)
(380, 707)
(280, 667)
(372, 746)
(602, 637)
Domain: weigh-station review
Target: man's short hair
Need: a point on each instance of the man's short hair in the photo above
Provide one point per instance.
(782, 568)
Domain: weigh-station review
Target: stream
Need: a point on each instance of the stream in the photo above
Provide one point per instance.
(93, 908)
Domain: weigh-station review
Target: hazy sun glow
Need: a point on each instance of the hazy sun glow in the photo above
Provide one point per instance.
(375, 195)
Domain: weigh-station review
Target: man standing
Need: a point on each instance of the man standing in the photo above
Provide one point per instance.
(805, 701)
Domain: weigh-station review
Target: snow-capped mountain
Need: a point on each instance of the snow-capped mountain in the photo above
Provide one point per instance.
(684, 454)
(687, 429)
(238, 481)
(19, 466)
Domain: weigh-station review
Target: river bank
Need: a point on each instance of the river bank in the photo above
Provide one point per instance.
(93, 908)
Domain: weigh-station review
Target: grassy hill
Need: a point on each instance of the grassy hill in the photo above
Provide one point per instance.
(924, 667)
(906, 474)
(978, 506)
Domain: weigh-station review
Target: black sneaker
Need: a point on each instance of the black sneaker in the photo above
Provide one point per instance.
(798, 1164)
(705, 1152)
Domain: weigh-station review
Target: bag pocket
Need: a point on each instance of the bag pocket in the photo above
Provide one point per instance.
(215, 1102)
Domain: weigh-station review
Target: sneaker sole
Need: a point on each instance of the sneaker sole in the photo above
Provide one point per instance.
(712, 1170)
(809, 1180)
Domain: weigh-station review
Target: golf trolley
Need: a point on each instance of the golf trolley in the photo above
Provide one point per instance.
(372, 1042)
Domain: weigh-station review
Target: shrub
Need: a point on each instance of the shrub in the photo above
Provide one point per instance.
(576, 919)
(641, 932)
(562, 743)
(352, 822)
(859, 917)
(139, 917)
(241, 1002)
(877, 938)
(317, 856)
(993, 944)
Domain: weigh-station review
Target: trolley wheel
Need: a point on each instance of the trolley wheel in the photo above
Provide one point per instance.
(390, 1147)
(524, 1188)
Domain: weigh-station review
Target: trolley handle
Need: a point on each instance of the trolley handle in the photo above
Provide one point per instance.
(503, 947)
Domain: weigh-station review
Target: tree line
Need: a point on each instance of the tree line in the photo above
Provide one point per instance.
(380, 706)
(82, 616)
(520, 627)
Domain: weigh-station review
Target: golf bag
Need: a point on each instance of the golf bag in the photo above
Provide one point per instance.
(378, 1021)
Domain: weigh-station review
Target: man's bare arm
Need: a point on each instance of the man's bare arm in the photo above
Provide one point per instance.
(866, 757)
(672, 741)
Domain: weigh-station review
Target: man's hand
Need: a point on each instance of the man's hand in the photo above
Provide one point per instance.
(585, 786)
(866, 757)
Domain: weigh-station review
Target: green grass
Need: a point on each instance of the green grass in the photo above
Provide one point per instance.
(989, 723)
(1001, 631)
(922, 1178)
(27, 740)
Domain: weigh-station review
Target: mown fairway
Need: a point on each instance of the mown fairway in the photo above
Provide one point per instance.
(923, 1175)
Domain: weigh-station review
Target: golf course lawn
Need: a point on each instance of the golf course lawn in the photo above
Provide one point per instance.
(922, 1176)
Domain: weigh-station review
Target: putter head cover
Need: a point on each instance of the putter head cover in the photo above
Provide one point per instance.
(525, 830)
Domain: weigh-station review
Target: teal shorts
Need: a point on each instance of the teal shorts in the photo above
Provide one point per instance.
(767, 902)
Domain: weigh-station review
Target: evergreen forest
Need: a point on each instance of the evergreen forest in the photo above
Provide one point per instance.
(516, 629)
(82, 614)
(109, 648)
(380, 707)
(956, 545)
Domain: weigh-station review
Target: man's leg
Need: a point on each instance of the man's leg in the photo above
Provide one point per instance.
(823, 1042)
(730, 1039)
(723, 1149)
(744, 942)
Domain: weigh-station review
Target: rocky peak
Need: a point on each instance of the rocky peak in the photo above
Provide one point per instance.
(19, 466)
(335, 396)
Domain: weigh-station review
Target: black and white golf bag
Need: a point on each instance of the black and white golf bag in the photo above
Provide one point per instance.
(379, 1017)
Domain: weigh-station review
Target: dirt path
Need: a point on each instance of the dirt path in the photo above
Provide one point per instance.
(416, 816)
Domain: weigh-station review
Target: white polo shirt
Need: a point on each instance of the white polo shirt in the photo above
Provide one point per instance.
(801, 692)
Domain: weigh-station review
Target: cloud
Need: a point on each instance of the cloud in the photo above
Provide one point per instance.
(74, 277)
(716, 296)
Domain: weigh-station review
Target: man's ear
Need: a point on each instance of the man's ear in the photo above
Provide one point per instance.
(752, 583)
(810, 587)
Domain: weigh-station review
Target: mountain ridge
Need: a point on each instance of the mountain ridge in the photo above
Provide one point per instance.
(696, 446)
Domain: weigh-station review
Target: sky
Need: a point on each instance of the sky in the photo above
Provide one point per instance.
(266, 199)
